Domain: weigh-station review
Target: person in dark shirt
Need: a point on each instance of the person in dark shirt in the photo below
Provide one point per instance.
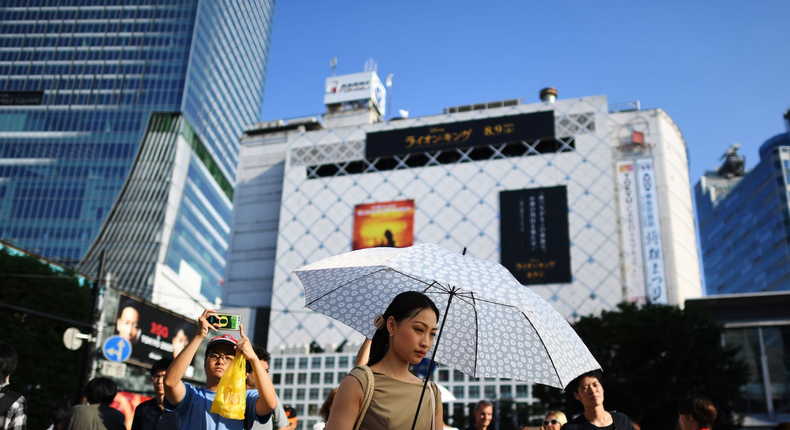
(588, 389)
(97, 414)
(152, 414)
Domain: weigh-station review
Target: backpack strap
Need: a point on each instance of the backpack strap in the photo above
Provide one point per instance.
(8, 400)
(367, 390)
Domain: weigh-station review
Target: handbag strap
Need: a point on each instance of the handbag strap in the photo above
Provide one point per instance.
(433, 408)
(367, 390)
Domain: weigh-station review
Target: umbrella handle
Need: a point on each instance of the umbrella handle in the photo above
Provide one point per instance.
(433, 357)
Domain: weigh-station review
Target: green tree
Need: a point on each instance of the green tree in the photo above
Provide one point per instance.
(652, 356)
(46, 370)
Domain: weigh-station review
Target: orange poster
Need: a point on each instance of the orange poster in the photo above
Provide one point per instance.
(127, 402)
(384, 224)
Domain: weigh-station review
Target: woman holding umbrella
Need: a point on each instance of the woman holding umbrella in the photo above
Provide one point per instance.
(404, 334)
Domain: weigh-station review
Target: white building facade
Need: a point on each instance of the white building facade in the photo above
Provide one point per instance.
(457, 195)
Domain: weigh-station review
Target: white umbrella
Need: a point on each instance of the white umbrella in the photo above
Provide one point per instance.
(491, 325)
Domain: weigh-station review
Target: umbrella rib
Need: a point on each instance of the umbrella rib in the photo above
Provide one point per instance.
(477, 330)
(537, 333)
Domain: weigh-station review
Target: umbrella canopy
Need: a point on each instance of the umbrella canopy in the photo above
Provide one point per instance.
(494, 326)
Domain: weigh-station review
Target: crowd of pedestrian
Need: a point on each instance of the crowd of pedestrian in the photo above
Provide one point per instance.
(379, 393)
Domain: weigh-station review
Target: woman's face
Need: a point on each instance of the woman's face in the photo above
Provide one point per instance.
(551, 422)
(412, 338)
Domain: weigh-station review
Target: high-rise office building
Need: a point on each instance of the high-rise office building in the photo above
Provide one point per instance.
(79, 81)
(744, 221)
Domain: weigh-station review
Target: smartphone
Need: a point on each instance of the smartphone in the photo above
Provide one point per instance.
(226, 321)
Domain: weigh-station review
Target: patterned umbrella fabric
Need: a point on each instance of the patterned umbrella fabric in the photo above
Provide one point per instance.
(495, 327)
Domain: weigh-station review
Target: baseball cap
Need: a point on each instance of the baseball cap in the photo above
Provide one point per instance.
(291, 414)
(220, 340)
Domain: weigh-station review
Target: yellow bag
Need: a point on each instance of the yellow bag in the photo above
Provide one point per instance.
(231, 399)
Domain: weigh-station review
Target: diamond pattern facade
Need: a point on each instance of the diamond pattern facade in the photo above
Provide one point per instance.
(456, 206)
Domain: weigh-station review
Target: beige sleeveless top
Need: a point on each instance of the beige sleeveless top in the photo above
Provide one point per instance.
(395, 402)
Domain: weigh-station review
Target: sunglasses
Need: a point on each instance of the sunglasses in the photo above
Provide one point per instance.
(555, 422)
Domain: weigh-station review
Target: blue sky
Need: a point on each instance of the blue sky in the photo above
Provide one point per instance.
(720, 69)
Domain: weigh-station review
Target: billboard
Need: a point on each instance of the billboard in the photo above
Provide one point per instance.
(631, 223)
(21, 98)
(651, 231)
(534, 235)
(527, 127)
(388, 224)
(153, 332)
(354, 87)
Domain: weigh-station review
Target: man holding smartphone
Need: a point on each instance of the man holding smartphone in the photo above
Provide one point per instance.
(192, 404)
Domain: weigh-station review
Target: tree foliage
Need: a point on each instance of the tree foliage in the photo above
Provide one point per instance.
(652, 356)
(46, 370)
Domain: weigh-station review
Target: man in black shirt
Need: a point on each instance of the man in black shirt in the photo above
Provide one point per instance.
(152, 414)
(587, 389)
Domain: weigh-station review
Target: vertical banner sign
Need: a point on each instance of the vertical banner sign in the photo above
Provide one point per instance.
(651, 231)
(632, 232)
(388, 224)
(534, 235)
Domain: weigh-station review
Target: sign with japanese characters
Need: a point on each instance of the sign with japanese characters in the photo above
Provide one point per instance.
(21, 98)
(527, 127)
(356, 87)
(534, 235)
(651, 231)
(631, 223)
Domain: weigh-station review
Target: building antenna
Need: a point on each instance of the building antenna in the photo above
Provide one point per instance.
(333, 65)
(371, 65)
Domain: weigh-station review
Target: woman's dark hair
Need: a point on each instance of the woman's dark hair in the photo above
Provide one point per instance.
(100, 391)
(700, 408)
(324, 411)
(404, 306)
(7, 360)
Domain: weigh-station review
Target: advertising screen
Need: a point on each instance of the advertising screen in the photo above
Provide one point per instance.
(153, 332)
(384, 224)
(527, 127)
(534, 235)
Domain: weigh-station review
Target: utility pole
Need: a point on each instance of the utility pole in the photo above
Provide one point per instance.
(90, 347)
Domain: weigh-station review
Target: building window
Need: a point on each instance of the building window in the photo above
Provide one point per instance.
(329, 362)
(343, 362)
(329, 378)
(444, 375)
(458, 391)
(301, 379)
(278, 363)
(300, 394)
(505, 392)
(289, 378)
(315, 378)
(276, 378)
(316, 364)
(288, 394)
(474, 392)
(522, 391)
(458, 376)
(303, 362)
(290, 363)
(490, 391)
(314, 394)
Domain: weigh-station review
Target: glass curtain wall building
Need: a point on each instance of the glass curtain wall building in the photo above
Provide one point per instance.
(744, 224)
(79, 81)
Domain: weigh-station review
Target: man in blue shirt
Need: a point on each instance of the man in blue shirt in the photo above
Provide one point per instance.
(192, 404)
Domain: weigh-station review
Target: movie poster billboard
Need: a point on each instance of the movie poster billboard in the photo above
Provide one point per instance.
(631, 222)
(389, 224)
(153, 332)
(651, 231)
(534, 235)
